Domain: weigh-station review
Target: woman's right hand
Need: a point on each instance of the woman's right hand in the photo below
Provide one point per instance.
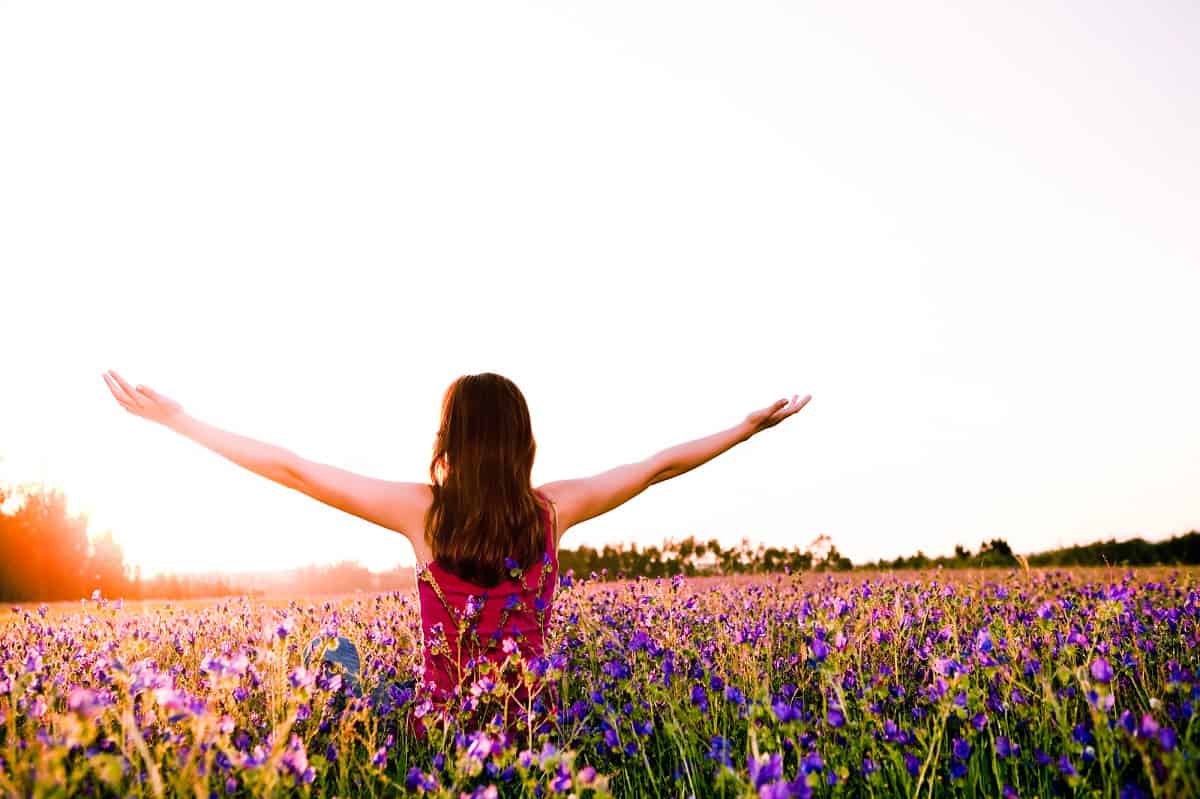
(142, 401)
(775, 413)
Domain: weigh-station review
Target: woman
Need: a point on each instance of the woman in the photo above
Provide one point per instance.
(485, 539)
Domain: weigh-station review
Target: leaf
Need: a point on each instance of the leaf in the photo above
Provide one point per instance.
(108, 768)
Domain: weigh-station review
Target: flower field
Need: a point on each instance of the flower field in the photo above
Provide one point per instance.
(996, 683)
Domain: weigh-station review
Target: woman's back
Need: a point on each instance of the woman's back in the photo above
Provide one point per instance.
(464, 625)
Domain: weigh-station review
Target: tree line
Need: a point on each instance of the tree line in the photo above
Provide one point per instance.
(690, 558)
(1179, 550)
(46, 554)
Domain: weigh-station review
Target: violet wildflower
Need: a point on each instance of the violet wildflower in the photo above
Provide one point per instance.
(1006, 748)
(764, 768)
(1149, 727)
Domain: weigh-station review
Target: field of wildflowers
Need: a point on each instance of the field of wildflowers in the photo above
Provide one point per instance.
(1000, 683)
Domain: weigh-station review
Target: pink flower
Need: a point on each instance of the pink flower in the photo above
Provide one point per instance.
(85, 702)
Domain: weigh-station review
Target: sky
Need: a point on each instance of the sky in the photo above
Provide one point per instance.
(970, 233)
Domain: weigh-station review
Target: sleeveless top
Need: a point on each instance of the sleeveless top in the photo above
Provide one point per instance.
(463, 624)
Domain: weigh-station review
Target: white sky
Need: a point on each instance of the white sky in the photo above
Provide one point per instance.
(970, 234)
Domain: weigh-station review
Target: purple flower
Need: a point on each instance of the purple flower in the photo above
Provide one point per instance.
(1082, 735)
(1149, 727)
(836, 718)
(295, 759)
(1006, 748)
(719, 751)
(85, 702)
(785, 711)
(285, 627)
(961, 749)
(820, 650)
(1101, 670)
(797, 789)
(764, 768)
(562, 779)
(1167, 739)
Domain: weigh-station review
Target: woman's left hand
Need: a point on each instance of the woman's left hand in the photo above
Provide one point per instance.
(143, 401)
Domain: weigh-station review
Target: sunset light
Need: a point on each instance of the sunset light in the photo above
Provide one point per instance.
(1015, 364)
(599, 400)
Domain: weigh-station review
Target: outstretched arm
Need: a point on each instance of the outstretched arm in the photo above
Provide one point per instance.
(585, 498)
(390, 504)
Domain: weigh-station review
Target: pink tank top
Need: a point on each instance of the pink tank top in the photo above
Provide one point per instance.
(488, 622)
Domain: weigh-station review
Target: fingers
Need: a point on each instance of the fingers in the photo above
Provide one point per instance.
(118, 393)
(122, 391)
(773, 408)
(780, 415)
(130, 393)
(116, 389)
(801, 404)
(139, 399)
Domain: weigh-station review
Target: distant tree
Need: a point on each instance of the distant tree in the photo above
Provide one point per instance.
(43, 548)
(819, 547)
(106, 567)
(834, 561)
(996, 552)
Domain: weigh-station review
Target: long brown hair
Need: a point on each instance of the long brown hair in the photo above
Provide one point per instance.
(484, 509)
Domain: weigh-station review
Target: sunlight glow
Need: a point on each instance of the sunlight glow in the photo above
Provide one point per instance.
(971, 238)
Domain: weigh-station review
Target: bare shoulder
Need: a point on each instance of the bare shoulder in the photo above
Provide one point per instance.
(556, 492)
(562, 493)
(415, 498)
